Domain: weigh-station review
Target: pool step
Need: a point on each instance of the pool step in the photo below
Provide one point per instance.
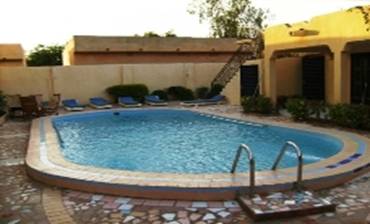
(284, 205)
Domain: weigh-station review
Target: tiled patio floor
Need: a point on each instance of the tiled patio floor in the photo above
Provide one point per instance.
(25, 201)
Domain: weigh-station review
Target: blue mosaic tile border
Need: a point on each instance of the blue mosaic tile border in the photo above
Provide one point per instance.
(360, 151)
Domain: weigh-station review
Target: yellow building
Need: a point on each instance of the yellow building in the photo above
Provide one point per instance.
(326, 58)
(12, 55)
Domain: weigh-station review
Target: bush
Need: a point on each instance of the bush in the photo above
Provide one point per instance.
(281, 102)
(161, 93)
(202, 92)
(259, 104)
(352, 116)
(264, 105)
(317, 108)
(137, 91)
(215, 90)
(180, 93)
(298, 108)
(249, 104)
(2, 104)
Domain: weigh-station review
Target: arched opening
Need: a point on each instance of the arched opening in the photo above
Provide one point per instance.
(304, 72)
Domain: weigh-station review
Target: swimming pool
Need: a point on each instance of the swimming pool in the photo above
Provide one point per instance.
(178, 174)
(180, 141)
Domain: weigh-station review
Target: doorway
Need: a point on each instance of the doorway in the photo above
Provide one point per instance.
(360, 78)
(249, 80)
(313, 77)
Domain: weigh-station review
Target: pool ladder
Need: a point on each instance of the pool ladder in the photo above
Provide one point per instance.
(252, 168)
(298, 152)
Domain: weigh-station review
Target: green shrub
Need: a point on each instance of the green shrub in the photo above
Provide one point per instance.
(281, 102)
(298, 108)
(316, 108)
(259, 104)
(338, 114)
(180, 93)
(137, 91)
(202, 92)
(2, 104)
(161, 93)
(249, 104)
(215, 90)
(352, 116)
(264, 105)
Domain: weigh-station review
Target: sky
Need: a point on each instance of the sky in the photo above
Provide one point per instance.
(32, 22)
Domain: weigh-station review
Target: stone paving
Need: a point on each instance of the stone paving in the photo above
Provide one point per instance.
(21, 198)
(95, 208)
(353, 200)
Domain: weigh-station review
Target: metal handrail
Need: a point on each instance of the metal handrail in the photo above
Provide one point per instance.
(299, 154)
(251, 166)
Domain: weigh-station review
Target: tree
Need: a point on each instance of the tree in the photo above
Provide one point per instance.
(365, 11)
(151, 34)
(43, 55)
(170, 33)
(230, 18)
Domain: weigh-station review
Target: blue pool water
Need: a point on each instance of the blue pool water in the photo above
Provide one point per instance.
(179, 141)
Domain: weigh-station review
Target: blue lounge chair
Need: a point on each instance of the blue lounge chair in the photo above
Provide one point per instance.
(215, 100)
(72, 105)
(100, 103)
(128, 101)
(154, 100)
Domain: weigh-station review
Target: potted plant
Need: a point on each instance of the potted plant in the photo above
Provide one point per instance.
(2, 108)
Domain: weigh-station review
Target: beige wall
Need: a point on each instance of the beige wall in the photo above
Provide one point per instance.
(289, 76)
(232, 90)
(25, 81)
(83, 82)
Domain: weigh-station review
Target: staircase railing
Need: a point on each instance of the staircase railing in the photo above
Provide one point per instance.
(246, 51)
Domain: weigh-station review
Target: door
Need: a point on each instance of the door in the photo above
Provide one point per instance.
(249, 80)
(360, 78)
(313, 77)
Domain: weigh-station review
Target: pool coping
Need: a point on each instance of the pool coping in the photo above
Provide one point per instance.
(46, 163)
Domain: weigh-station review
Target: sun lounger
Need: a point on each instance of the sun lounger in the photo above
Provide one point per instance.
(128, 101)
(218, 99)
(72, 105)
(154, 100)
(100, 103)
(31, 107)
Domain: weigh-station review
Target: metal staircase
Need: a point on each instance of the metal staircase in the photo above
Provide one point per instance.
(248, 50)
